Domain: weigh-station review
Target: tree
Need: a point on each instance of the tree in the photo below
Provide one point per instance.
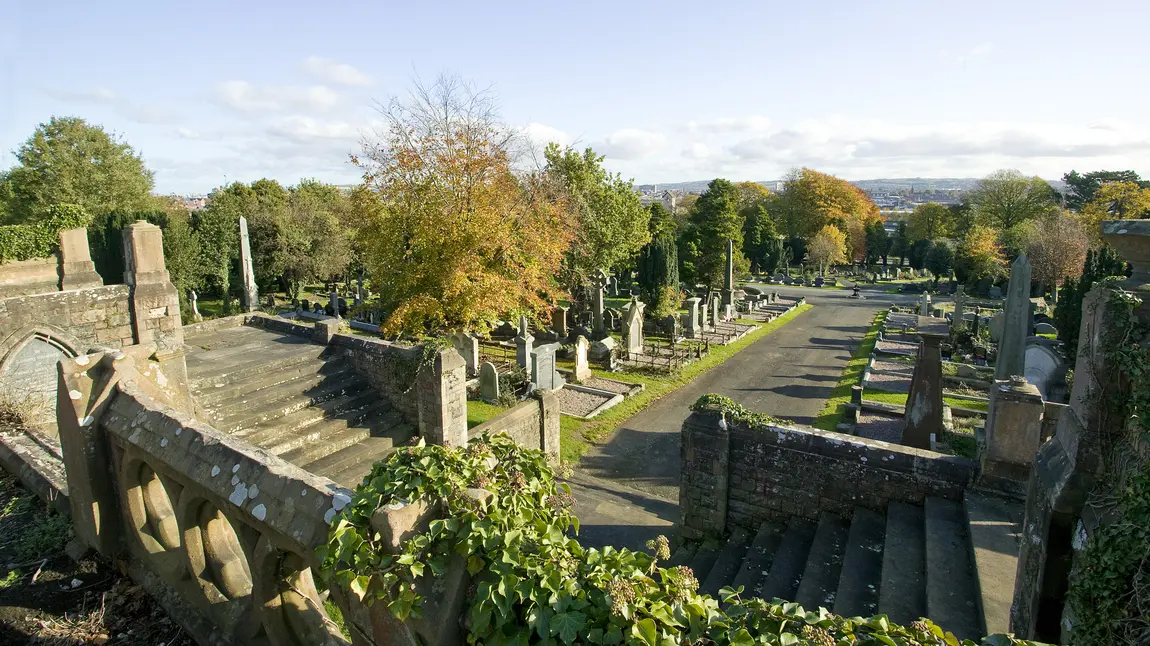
(1081, 188)
(811, 200)
(1006, 198)
(714, 222)
(900, 243)
(939, 260)
(1119, 201)
(758, 236)
(929, 221)
(877, 243)
(315, 243)
(453, 235)
(217, 226)
(612, 221)
(778, 256)
(1056, 249)
(961, 218)
(659, 260)
(979, 256)
(828, 247)
(1068, 312)
(68, 161)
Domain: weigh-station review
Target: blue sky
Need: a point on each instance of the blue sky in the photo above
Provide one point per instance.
(669, 91)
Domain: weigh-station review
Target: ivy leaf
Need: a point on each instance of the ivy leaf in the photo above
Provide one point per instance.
(568, 624)
(359, 585)
(645, 630)
(785, 639)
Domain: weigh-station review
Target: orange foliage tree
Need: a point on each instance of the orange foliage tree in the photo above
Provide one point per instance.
(451, 235)
(811, 200)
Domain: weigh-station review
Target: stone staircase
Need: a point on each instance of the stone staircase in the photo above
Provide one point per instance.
(294, 399)
(952, 562)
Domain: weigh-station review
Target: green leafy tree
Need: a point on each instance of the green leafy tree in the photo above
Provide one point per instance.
(68, 161)
(916, 254)
(961, 218)
(778, 255)
(218, 228)
(1006, 198)
(1099, 264)
(929, 221)
(714, 222)
(612, 222)
(900, 243)
(1080, 188)
(315, 243)
(759, 235)
(939, 260)
(878, 242)
(658, 262)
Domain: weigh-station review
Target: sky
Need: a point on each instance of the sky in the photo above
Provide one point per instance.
(214, 92)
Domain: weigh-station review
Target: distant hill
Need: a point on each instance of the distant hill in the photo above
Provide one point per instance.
(894, 184)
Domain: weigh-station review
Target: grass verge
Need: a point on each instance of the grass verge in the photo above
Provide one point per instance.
(888, 397)
(479, 412)
(832, 413)
(578, 434)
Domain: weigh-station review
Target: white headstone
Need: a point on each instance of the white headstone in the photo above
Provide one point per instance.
(582, 367)
(488, 382)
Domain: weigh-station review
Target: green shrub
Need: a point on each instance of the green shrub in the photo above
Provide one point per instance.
(42, 239)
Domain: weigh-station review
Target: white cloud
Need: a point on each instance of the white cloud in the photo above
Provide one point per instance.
(541, 135)
(253, 100)
(981, 49)
(330, 71)
(630, 143)
(129, 109)
(187, 133)
(752, 123)
(306, 129)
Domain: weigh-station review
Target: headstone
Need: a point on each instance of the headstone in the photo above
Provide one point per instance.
(335, 305)
(603, 348)
(559, 321)
(705, 321)
(958, 322)
(936, 312)
(729, 275)
(271, 302)
(598, 284)
(1045, 328)
(1012, 346)
(634, 327)
(523, 345)
(1043, 368)
(467, 345)
(693, 328)
(359, 290)
(488, 382)
(582, 367)
(924, 403)
(1013, 431)
(544, 374)
(196, 316)
(248, 275)
(924, 305)
(995, 292)
(611, 320)
(715, 311)
(819, 282)
(613, 286)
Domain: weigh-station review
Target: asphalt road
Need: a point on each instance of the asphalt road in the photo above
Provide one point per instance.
(628, 487)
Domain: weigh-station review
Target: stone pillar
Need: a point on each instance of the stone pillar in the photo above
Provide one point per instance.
(705, 456)
(324, 330)
(598, 284)
(549, 413)
(559, 322)
(924, 305)
(715, 312)
(1012, 345)
(1013, 434)
(693, 328)
(523, 345)
(956, 323)
(704, 317)
(77, 271)
(729, 275)
(251, 295)
(467, 345)
(154, 303)
(335, 304)
(443, 400)
(924, 403)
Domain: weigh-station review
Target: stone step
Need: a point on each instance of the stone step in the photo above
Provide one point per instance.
(287, 426)
(861, 575)
(256, 363)
(951, 592)
(824, 563)
(994, 537)
(351, 464)
(683, 554)
(272, 385)
(332, 438)
(757, 562)
(728, 564)
(787, 570)
(285, 399)
(329, 429)
(902, 594)
(705, 558)
(371, 450)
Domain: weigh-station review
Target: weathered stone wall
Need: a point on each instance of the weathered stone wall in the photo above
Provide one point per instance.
(35, 276)
(733, 475)
(82, 319)
(534, 424)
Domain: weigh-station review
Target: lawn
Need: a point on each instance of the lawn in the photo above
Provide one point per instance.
(577, 435)
(832, 413)
(887, 397)
(479, 412)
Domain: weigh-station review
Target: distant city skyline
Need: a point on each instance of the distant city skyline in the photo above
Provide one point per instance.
(669, 92)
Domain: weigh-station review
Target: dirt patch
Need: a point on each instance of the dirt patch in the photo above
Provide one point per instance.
(48, 598)
(579, 404)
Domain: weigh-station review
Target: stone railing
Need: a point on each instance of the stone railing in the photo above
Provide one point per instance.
(735, 475)
(222, 534)
(533, 423)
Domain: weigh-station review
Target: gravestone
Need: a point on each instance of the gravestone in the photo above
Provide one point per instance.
(715, 311)
(602, 349)
(1045, 328)
(305, 305)
(523, 345)
(819, 282)
(693, 328)
(634, 326)
(598, 284)
(611, 320)
(1012, 346)
(729, 275)
(335, 305)
(1043, 368)
(247, 274)
(924, 305)
(958, 322)
(196, 316)
(924, 402)
(995, 292)
(467, 345)
(359, 290)
(559, 322)
(582, 367)
(488, 382)
(705, 322)
(544, 373)
(613, 286)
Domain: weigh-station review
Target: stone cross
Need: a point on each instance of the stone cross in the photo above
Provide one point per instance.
(924, 403)
(488, 382)
(251, 297)
(598, 284)
(729, 275)
(359, 290)
(582, 367)
(1012, 343)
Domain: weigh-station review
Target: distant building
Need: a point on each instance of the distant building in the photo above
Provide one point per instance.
(669, 199)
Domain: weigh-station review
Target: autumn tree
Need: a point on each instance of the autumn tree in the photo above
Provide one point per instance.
(1082, 186)
(1119, 201)
(811, 200)
(929, 221)
(612, 222)
(456, 237)
(1006, 198)
(68, 161)
(828, 247)
(979, 256)
(704, 240)
(1057, 249)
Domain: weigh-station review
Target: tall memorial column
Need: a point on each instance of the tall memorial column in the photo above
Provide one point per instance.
(251, 295)
(924, 403)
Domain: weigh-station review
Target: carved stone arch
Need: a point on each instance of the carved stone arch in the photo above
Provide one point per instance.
(28, 371)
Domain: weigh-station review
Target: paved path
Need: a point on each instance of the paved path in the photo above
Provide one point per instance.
(628, 488)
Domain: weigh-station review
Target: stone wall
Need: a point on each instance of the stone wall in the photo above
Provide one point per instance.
(534, 424)
(35, 276)
(734, 475)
